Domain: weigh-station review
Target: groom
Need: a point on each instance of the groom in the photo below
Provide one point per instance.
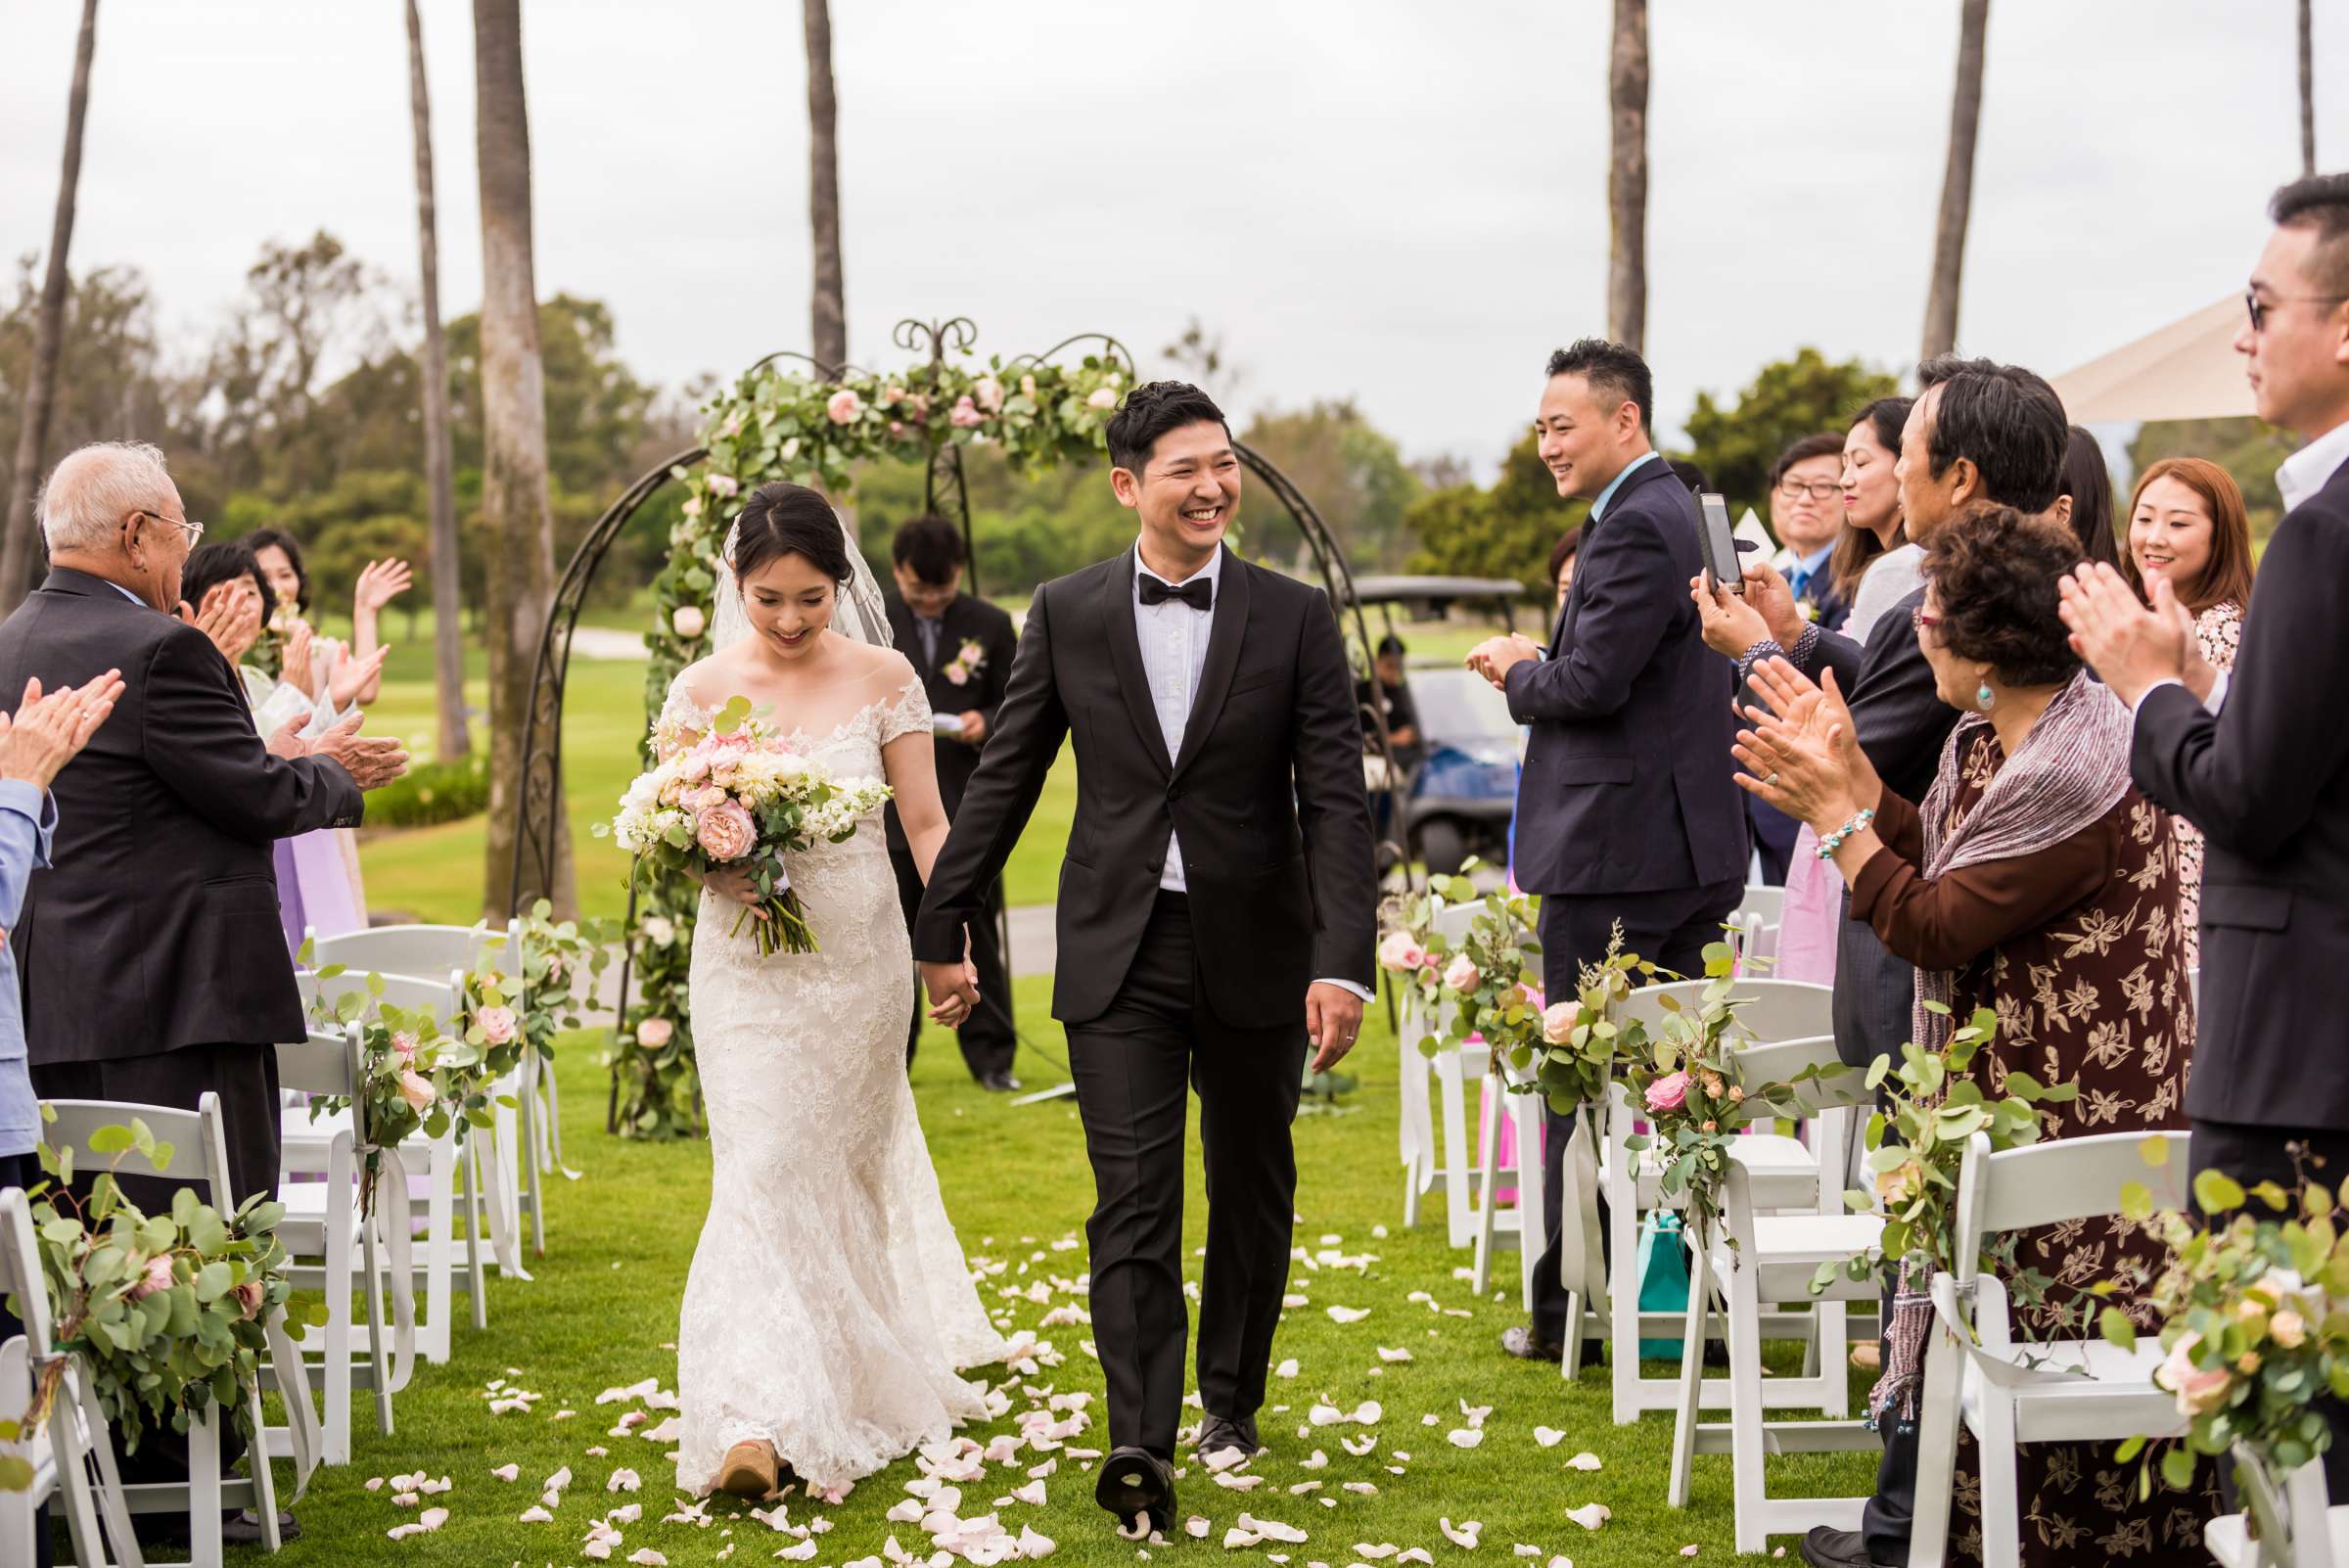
(1216, 911)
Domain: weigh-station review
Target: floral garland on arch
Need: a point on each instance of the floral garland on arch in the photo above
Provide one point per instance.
(783, 422)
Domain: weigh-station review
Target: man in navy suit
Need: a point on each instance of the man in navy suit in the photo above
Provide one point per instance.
(1625, 812)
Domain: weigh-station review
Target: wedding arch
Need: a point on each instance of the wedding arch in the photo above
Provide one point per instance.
(789, 417)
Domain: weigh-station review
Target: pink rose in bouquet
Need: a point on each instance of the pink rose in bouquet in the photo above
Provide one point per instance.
(2197, 1391)
(654, 1033)
(498, 1025)
(417, 1091)
(724, 830)
(843, 406)
(1667, 1094)
(154, 1274)
(966, 415)
(723, 484)
(1462, 974)
(249, 1297)
(1401, 953)
(1558, 1020)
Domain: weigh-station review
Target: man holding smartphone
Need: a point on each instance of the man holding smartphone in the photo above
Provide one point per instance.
(1626, 812)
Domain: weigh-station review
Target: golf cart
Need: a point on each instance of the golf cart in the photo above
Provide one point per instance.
(1448, 793)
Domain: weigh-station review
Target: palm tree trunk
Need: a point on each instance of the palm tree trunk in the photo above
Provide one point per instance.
(2307, 93)
(1627, 177)
(449, 640)
(16, 551)
(514, 493)
(829, 310)
(1957, 184)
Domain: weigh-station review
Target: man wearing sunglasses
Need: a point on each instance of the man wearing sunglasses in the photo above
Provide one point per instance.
(2259, 760)
(152, 965)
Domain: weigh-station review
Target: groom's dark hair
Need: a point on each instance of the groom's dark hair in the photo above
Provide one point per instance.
(1149, 411)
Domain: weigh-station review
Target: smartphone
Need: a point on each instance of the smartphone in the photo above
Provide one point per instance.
(1723, 568)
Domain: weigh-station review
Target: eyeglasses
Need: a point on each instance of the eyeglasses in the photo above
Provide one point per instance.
(2258, 308)
(1818, 490)
(192, 530)
(1918, 619)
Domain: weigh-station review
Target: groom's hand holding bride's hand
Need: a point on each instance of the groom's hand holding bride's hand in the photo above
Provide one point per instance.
(1333, 1016)
(954, 991)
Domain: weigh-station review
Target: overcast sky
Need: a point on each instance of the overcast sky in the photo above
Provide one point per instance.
(1398, 200)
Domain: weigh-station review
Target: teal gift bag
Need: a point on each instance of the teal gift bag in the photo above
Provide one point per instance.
(1663, 1279)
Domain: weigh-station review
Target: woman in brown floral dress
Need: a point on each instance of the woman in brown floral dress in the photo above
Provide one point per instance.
(2188, 526)
(2034, 881)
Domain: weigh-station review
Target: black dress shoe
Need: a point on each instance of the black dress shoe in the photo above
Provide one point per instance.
(1520, 1340)
(1000, 1082)
(1135, 1481)
(1218, 1432)
(1823, 1548)
(244, 1529)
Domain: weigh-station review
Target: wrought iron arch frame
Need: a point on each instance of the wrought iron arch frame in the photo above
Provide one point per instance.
(535, 839)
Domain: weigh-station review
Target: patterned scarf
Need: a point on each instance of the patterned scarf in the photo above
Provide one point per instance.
(2071, 769)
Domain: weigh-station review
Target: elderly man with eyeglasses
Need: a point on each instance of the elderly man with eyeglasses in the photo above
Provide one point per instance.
(151, 967)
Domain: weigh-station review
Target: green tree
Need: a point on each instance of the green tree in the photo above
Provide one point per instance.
(1787, 400)
(1505, 532)
(1351, 470)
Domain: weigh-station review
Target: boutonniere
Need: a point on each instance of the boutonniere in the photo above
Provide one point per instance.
(969, 660)
(1809, 608)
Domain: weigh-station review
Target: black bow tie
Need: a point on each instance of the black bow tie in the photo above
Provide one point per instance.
(1199, 593)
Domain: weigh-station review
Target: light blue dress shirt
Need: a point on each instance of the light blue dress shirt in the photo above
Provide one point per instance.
(1599, 507)
(27, 819)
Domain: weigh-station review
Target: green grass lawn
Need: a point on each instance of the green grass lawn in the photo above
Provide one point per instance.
(602, 1312)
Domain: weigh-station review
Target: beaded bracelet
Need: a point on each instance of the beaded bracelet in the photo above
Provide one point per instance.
(1834, 841)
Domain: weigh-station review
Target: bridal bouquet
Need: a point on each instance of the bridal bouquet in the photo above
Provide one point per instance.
(736, 799)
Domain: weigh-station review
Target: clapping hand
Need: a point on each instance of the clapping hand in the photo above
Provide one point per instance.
(380, 583)
(47, 732)
(1496, 657)
(2132, 648)
(371, 763)
(1805, 757)
(294, 669)
(227, 620)
(352, 677)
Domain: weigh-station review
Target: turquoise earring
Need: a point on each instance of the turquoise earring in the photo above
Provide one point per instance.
(1984, 697)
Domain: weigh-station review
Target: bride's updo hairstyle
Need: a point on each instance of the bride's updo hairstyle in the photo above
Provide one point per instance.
(782, 518)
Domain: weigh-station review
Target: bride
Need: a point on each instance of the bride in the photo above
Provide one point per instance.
(828, 1308)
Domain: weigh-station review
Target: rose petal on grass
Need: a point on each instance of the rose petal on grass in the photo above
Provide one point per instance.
(1347, 1314)
(1590, 1515)
(1393, 1356)
(1287, 1368)
(623, 1480)
(1584, 1461)
(1466, 1437)
(1462, 1534)
(508, 1472)
(1549, 1437)
(1196, 1527)
(536, 1515)
(1316, 1461)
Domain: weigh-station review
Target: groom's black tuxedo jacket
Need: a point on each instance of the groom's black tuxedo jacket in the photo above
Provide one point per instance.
(1266, 795)
(157, 925)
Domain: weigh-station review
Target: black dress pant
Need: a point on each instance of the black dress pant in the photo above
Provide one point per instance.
(1133, 1066)
(985, 1039)
(1669, 929)
(244, 1077)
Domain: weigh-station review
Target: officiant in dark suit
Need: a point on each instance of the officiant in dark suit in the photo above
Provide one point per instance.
(962, 646)
(1217, 913)
(1625, 814)
(2258, 758)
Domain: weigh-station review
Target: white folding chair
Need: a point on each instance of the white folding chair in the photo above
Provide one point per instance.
(1508, 1119)
(2046, 1391)
(200, 1159)
(507, 1173)
(327, 1220)
(452, 1167)
(1785, 1171)
(1758, 1257)
(1754, 930)
(2299, 1525)
(1416, 1122)
(59, 1450)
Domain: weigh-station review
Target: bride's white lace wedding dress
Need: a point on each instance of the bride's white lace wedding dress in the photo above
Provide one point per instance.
(829, 1306)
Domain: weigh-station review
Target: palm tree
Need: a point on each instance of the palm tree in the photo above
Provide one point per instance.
(1627, 177)
(2308, 94)
(1957, 184)
(514, 496)
(449, 645)
(16, 553)
(830, 318)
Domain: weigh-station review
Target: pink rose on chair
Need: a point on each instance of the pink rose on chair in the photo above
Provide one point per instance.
(1557, 1021)
(249, 1297)
(403, 1047)
(1400, 953)
(843, 406)
(417, 1091)
(499, 1026)
(1462, 974)
(725, 831)
(654, 1033)
(154, 1276)
(1667, 1094)
(2198, 1392)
